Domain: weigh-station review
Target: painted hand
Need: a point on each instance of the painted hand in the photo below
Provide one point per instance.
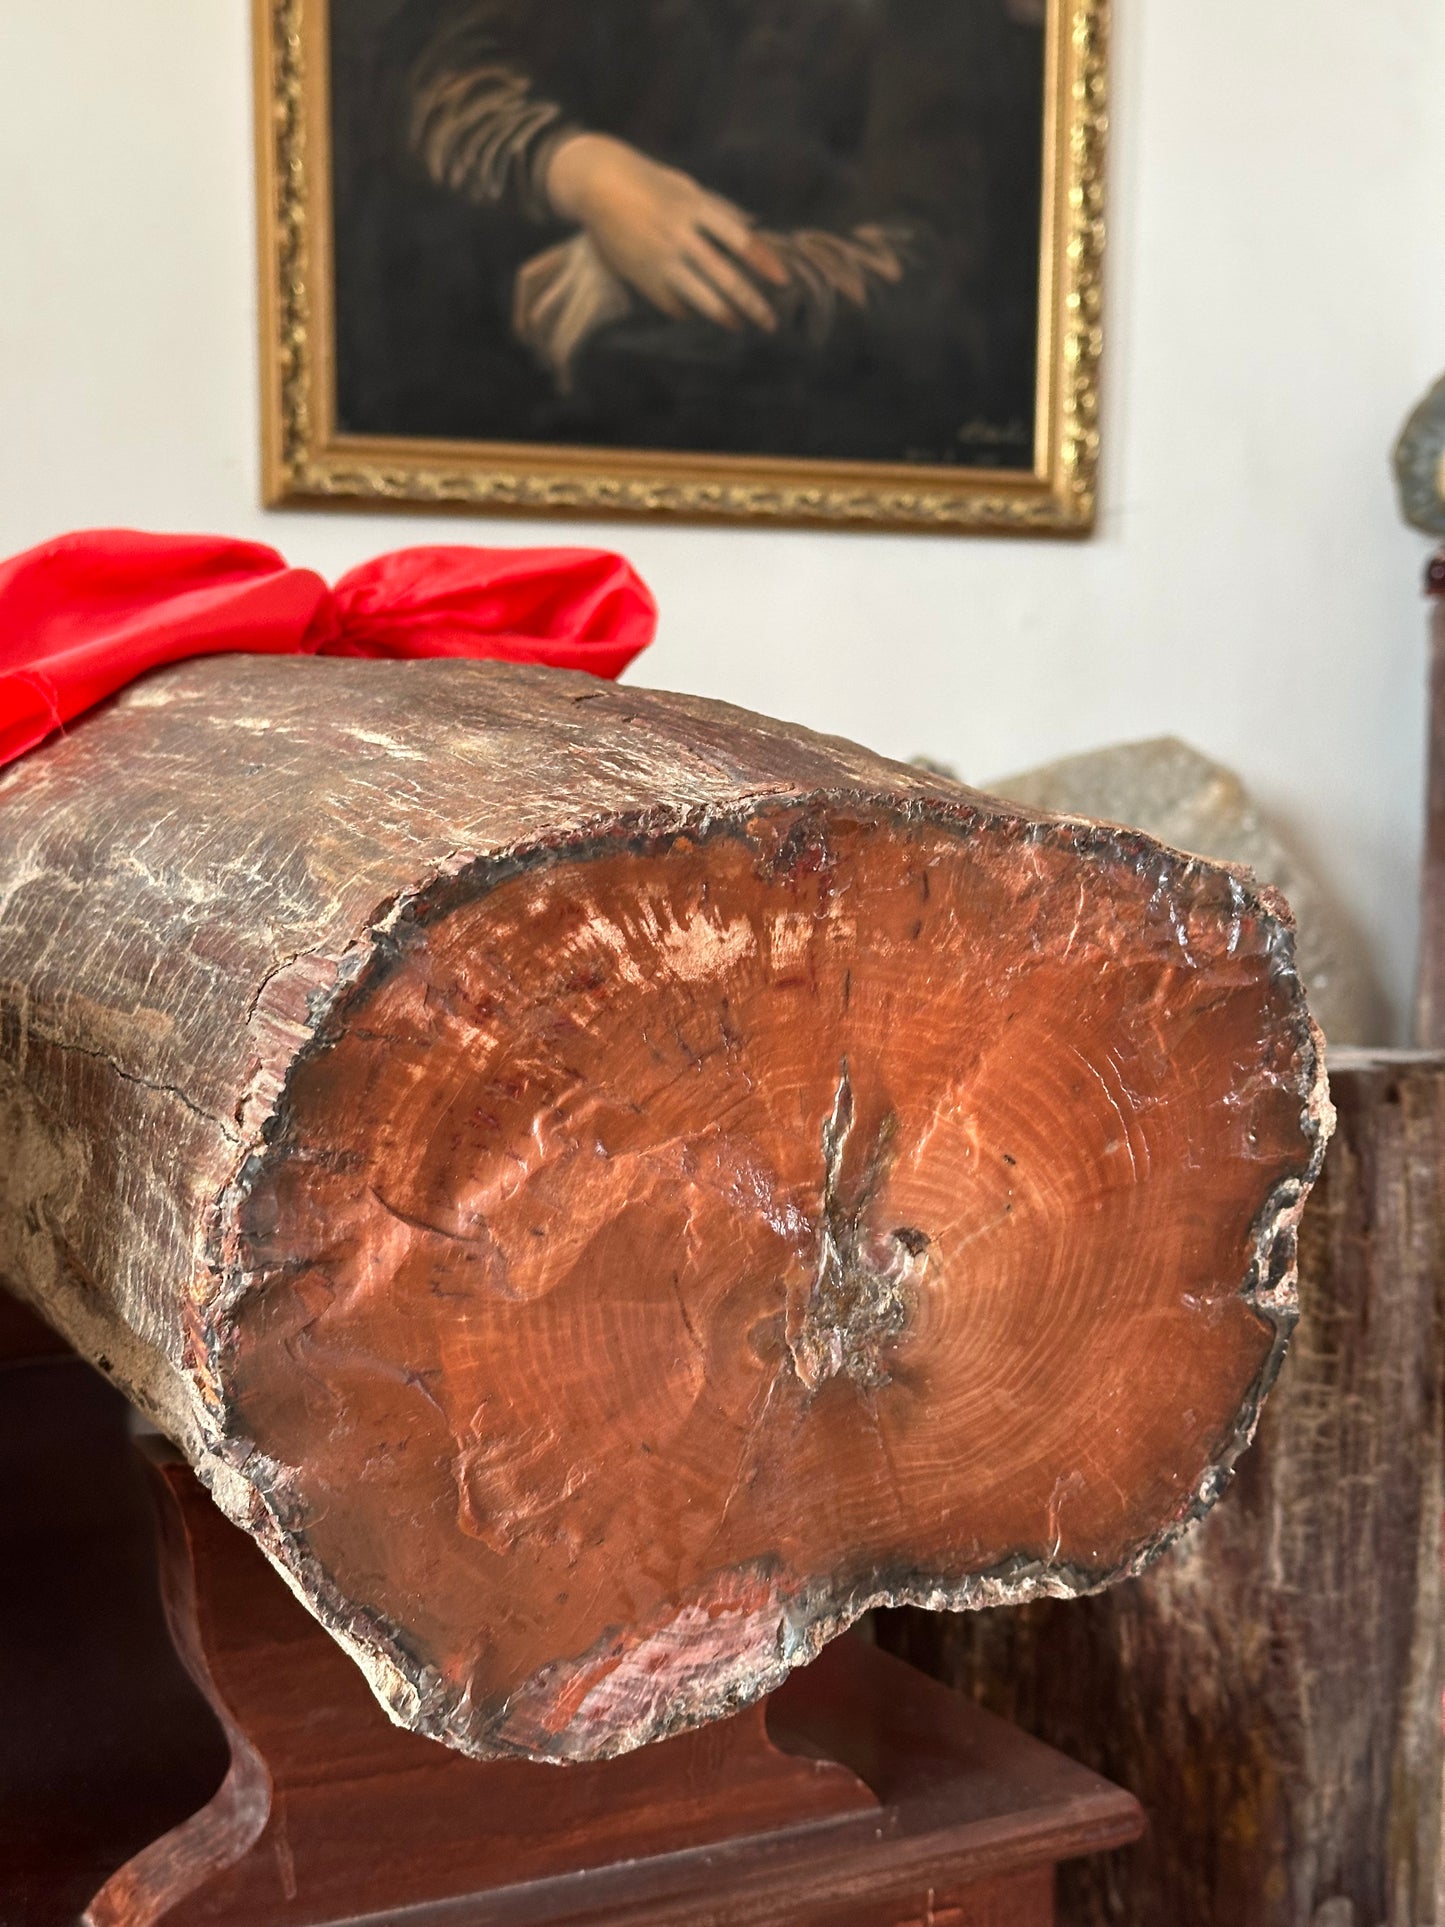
(683, 249)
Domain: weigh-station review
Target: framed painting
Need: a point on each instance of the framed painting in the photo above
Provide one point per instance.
(829, 261)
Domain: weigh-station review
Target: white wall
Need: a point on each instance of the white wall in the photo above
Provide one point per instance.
(1276, 302)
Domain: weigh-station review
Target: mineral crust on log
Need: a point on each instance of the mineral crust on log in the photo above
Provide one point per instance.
(606, 1187)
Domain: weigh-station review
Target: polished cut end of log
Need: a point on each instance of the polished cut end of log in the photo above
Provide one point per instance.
(606, 1188)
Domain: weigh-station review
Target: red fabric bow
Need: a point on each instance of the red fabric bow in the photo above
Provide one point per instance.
(85, 614)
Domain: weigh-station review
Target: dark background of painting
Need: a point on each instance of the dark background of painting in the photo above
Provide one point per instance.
(941, 369)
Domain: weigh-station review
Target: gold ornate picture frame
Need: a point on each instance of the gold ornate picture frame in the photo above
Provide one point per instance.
(313, 454)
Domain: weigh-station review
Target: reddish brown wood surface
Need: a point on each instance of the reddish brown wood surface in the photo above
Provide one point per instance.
(1272, 1689)
(606, 1187)
(330, 1813)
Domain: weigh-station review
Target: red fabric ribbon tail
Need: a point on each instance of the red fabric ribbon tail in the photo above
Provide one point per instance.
(581, 609)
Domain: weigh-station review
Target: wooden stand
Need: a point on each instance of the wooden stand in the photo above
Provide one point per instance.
(933, 1809)
(861, 1793)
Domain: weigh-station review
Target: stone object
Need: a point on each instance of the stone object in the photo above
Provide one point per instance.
(1176, 793)
(1420, 463)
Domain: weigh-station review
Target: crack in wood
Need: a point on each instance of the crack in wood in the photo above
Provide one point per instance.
(861, 1296)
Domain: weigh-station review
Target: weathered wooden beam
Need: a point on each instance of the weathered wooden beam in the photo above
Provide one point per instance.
(1430, 986)
(1271, 1690)
(606, 1187)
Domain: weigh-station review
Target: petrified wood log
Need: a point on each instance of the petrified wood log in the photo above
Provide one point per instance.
(605, 1187)
(1271, 1690)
